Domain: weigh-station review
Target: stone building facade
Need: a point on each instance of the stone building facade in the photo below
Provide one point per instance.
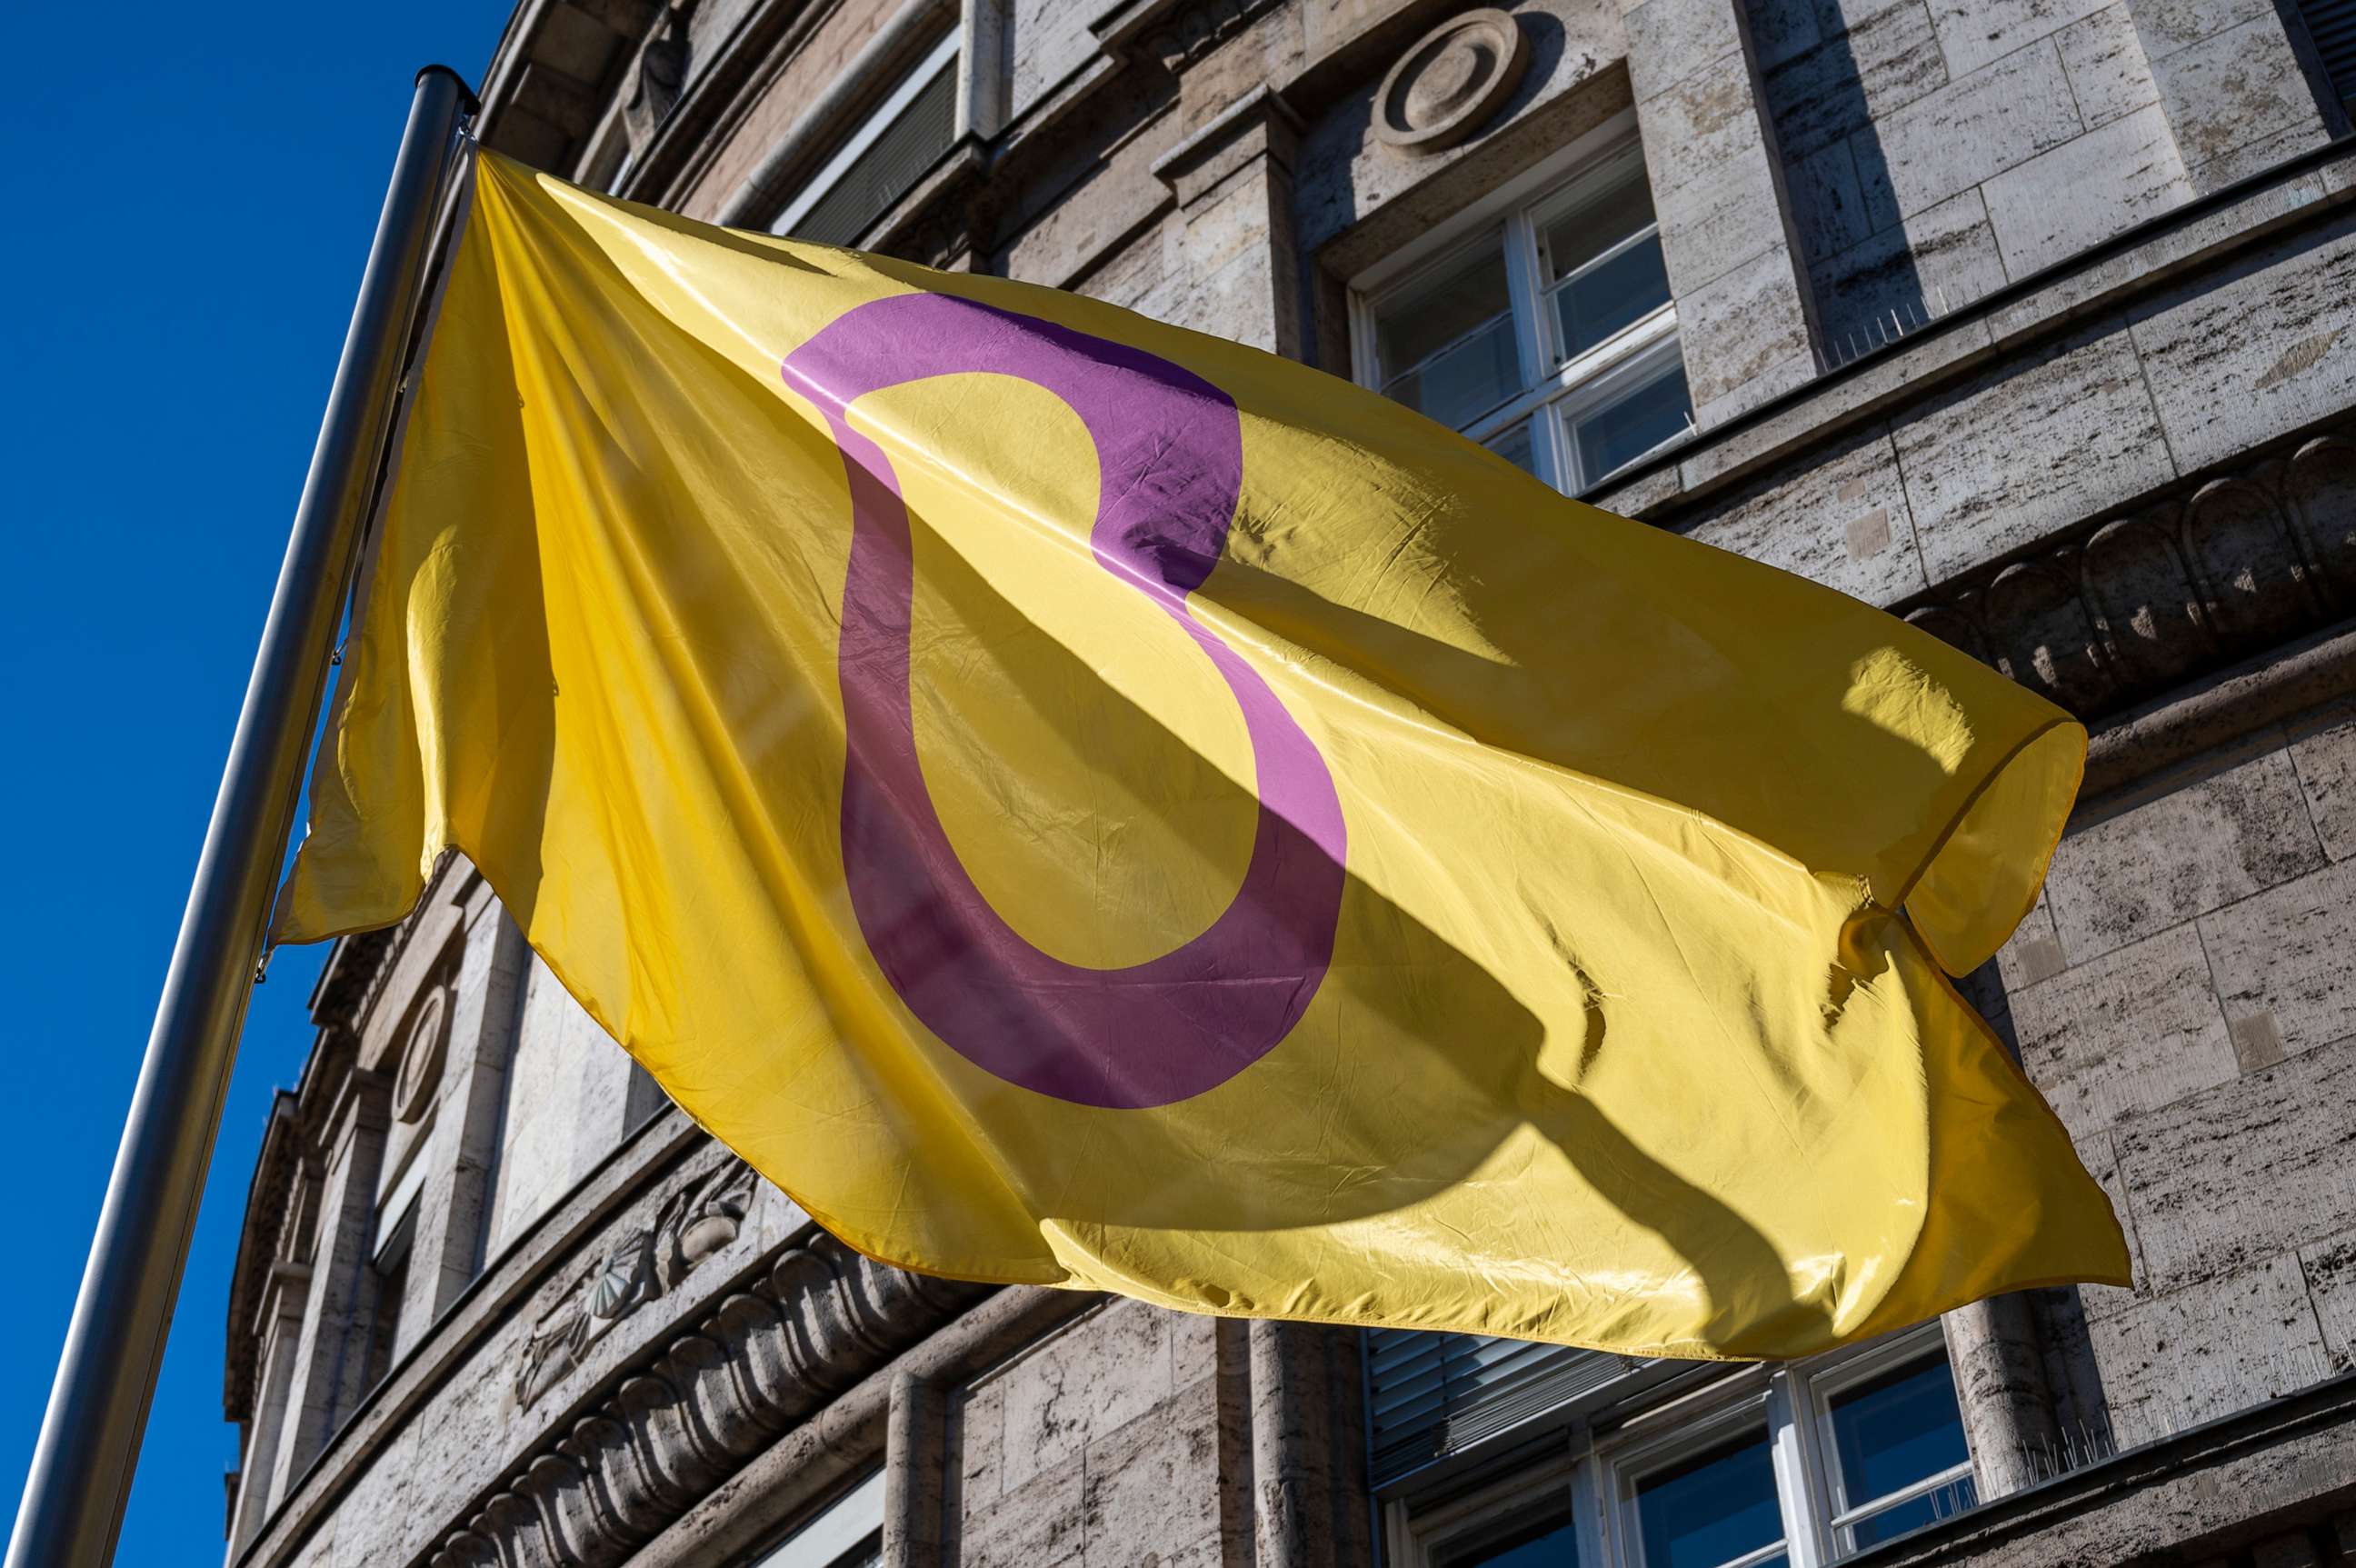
(2033, 321)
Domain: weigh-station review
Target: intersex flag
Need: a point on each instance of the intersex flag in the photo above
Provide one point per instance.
(1077, 802)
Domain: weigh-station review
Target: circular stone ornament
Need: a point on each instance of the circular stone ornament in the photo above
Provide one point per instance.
(420, 1058)
(1446, 86)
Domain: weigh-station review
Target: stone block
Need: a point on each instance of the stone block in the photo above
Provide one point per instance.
(1828, 211)
(2195, 849)
(1742, 334)
(1713, 183)
(2033, 952)
(2264, 349)
(1153, 1485)
(2292, 1550)
(1041, 1524)
(1840, 86)
(2330, 1270)
(2012, 455)
(2286, 964)
(1975, 33)
(2206, 1351)
(1977, 126)
(2132, 1031)
(2104, 56)
(1841, 522)
(2169, 25)
(1099, 1374)
(1921, 266)
(2101, 1162)
(2324, 753)
(2087, 189)
(980, 1435)
(2241, 86)
(1783, 28)
(1669, 39)
(2229, 1176)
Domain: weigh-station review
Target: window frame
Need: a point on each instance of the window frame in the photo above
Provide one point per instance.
(1790, 1402)
(942, 55)
(1556, 391)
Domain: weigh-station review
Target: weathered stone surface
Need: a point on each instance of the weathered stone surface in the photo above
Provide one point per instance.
(2169, 25)
(1975, 33)
(1670, 39)
(2234, 1175)
(2285, 961)
(1712, 183)
(2330, 1270)
(1976, 127)
(2206, 1350)
(2264, 350)
(1153, 1485)
(1038, 1525)
(1923, 266)
(1104, 1371)
(2325, 757)
(2240, 86)
(2192, 849)
(2109, 73)
(1843, 524)
(2098, 1155)
(2134, 1030)
(1744, 337)
(2010, 455)
(2087, 189)
(1836, 88)
(2033, 952)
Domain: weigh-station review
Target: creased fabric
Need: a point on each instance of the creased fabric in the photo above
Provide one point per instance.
(1077, 802)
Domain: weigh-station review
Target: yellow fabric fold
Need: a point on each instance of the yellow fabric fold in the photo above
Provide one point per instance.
(1077, 802)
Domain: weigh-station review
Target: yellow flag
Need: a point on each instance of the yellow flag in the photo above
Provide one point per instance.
(1077, 802)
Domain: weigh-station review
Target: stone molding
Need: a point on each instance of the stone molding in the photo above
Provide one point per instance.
(812, 1323)
(1450, 80)
(2119, 608)
(1175, 33)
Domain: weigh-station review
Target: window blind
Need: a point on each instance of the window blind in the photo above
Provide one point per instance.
(1435, 1395)
(2332, 24)
(891, 165)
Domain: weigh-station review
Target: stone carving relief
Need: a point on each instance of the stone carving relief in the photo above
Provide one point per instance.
(765, 1360)
(700, 1218)
(422, 1055)
(1450, 82)
(2126, 609)
(1178, 33)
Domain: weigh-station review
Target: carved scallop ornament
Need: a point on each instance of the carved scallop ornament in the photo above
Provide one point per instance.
(1454, 77)
(420, 1058)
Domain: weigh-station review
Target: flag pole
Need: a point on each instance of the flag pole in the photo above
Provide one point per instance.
(81, 1478)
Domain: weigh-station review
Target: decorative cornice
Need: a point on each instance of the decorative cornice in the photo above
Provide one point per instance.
(1176, 33)
(682, 1420)
(2100, 616)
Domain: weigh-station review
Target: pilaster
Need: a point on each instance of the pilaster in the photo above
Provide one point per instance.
(1232, 234)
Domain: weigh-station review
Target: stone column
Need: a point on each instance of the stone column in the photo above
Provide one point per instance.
(1998, 1358)
(1232, 235)
(282, 1311)
(1293, 1446)
(1743, 312)
(453, 1210)
(915, 1463)
(322, 1383)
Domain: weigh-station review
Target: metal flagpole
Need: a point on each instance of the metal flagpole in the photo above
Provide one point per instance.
(81, 1470)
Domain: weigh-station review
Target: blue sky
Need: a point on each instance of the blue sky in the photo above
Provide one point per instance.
(189, 200)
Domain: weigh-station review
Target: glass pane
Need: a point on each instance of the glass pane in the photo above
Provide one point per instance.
(1546, 1541)
(1941, 1502)
(1896, 1430)
(1711, 1509)
(1591, 228)
(1610, 296)
(1462, 382)
(1513, 443)
(1414, 326)
(1621, 430)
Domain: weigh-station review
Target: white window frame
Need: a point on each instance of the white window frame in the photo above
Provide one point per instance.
(1557, 392)
(833, 1532)
(942, 57)
(1792, 1403)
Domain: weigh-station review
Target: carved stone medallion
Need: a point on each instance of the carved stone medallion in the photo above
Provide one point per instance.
(420, 1058)
(1450, 82)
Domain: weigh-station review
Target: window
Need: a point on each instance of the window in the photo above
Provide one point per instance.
(1547, 334)
(847, 1533)
(882, 160)
(388, 1283)
(2332, 24)
(1796, 1467)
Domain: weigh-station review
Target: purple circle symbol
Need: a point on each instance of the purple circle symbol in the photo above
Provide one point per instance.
(1170, 451)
